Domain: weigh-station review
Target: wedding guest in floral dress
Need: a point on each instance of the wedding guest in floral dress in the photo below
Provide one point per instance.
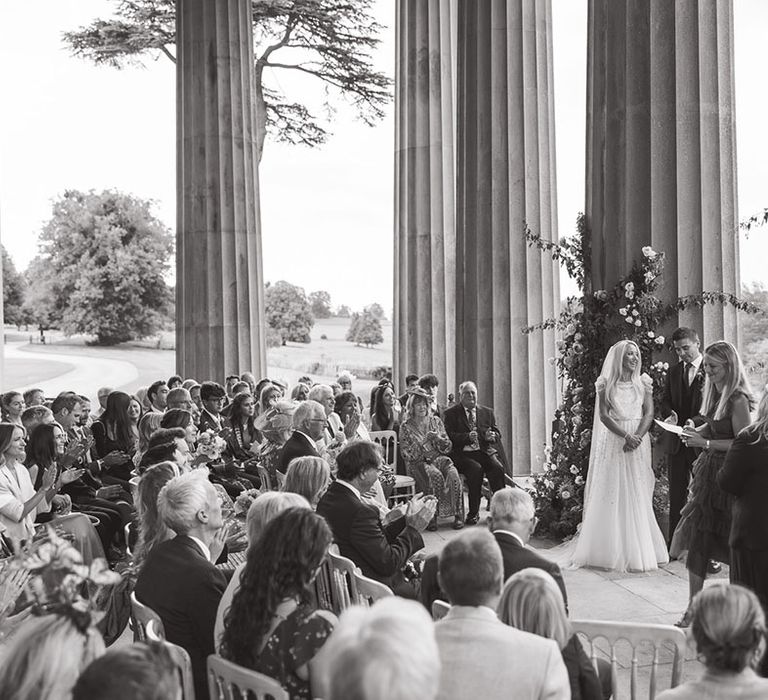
(425, 445)
(276, 426)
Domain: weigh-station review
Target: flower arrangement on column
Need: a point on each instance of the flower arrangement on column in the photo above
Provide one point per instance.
(589, 324)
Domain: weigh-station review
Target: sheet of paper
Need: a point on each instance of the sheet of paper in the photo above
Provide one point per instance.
(669, 427)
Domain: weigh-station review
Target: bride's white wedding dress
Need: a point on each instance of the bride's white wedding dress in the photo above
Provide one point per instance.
(618, 529)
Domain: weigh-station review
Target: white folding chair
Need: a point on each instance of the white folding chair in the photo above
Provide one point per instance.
(228, 681)
(180, 658)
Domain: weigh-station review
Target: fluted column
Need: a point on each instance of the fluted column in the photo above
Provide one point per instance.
(219, 279)
(506, 179)
(661, 157)
(425, 236)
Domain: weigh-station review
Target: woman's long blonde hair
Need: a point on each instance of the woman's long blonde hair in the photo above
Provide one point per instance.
(715, 404)
(532, 602)
(613, 366)
(758, 429)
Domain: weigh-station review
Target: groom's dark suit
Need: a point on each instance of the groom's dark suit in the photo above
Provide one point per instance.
(685, 401)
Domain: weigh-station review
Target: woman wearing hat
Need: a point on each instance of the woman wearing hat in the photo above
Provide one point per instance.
(425, 445)
(276, 426)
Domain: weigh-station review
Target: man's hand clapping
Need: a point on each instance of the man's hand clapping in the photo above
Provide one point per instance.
(420, 512)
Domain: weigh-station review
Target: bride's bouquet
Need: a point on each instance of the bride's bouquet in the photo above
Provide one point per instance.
(210, 445)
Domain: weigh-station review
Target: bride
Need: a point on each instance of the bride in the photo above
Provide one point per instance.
(618, 529)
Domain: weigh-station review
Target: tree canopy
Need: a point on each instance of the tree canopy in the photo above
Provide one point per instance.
(288, 312)
(365, 329)
(330, 40)
(321, 304)
(103, 257)
(13, 290)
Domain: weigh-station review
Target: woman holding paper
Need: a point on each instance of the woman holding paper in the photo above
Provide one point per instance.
(705, 521)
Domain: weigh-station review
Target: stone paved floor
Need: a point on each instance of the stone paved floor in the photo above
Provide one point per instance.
(655, 597)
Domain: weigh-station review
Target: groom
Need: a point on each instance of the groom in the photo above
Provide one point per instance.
(680, 401)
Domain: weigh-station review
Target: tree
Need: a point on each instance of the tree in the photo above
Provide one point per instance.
(13, 290)
(365, 329)
(327, 39)
(101, 267)
(321, 304)
(376, 310)
(343, 311)
(288, 312)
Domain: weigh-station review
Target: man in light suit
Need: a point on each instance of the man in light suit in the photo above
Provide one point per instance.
(308, 425)
(681, 401)
(512, 521)
(476, 446)
(482, 657)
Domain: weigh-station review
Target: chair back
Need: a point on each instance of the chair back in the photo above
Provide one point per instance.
(180, 658)
(228, 681)
(388, 441)
(649, 645)
(343, 586)
(133, 482)
(439, 609)
(266, 480)
(369, 591)
(322, 587)
(280, 480)
(141, 616)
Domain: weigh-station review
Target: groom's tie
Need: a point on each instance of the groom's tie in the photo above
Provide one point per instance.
(687, 375)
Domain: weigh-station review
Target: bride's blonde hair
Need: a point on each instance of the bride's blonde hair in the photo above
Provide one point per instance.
(613, 366)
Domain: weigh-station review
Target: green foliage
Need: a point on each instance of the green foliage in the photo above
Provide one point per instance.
(365, 329)
(330, 40)
(101, 267)
(13, 290)
(321, 304)
(590, 324)
(288, 312)
(376, 310)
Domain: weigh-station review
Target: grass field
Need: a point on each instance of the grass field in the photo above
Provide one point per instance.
(322, 359)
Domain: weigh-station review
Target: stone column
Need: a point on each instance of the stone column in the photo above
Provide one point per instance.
(506, 179)
(425, 235)
(661, 155)
(219, 279)
(3, 385)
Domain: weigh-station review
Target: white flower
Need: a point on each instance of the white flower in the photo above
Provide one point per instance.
(600, 294)
(623, 310)
(638, 323)
(628, 319)
(548, 484)
(650, 334)
(660, 340)
(570, 329)
(666, 365)
(579, 480)
(574, 469)
(630, 286)
(649, 277)
(578, 337)
(565, 494)
(649, 252)
(629, 294)
(635, 312)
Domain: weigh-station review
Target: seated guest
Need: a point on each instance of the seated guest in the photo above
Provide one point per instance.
(481, 657)
(333, 434)
(179, 398)
(344, 380)
(178, 580)
(386, 652)
(347, 409)
(46, 655)
(512, 521)
(243, 441)
(269, 396)
(102, 394)
(262, 511)
(271, 627)
(385, 411)
(212, 396)
(728, 628)
(174, 381)
(34, 397)
(380, 551)
(229, 385)
(157, 396)
(114, 436)
(476, 444)
(11, 407)
(152, 528)
(308, 477)
(531, 602)
(180, 418)
(430, 383)
(275, 427)
(143, 671)
(308, 426)
(36, 415)
(425, 445)
(300, 392)
(249, 379)
(411, 381)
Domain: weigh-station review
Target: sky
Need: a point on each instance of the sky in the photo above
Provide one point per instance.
(327, 213)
